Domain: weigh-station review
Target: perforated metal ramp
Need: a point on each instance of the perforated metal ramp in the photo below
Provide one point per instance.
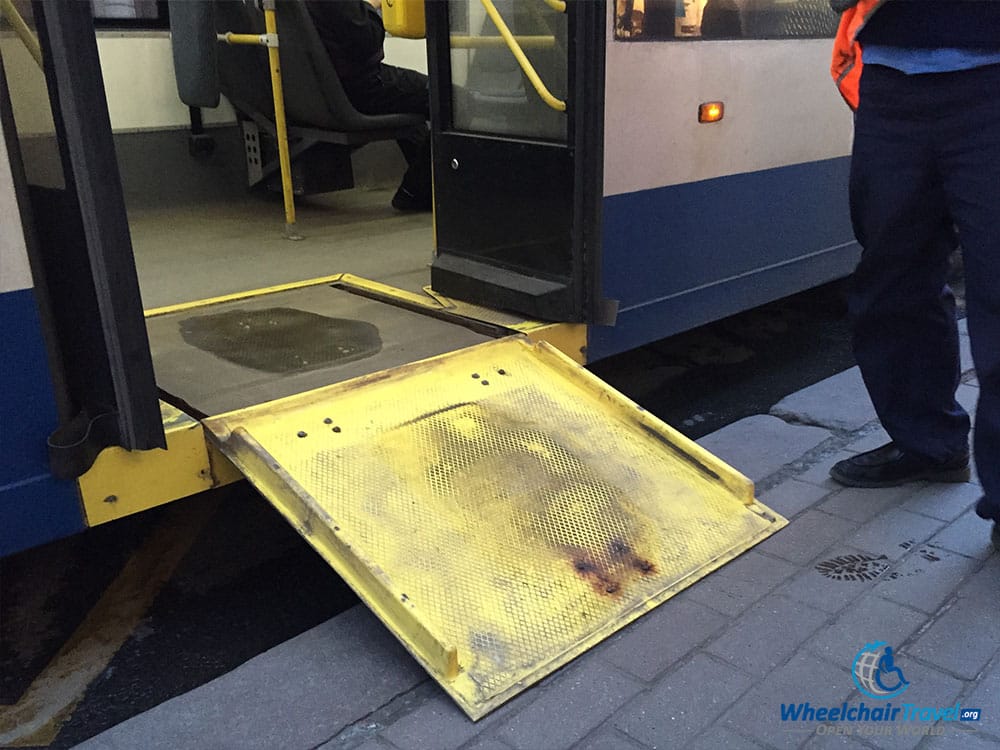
(499, 508)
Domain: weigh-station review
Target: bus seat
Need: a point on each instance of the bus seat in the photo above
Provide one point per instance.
(320, 117)
(196, 67)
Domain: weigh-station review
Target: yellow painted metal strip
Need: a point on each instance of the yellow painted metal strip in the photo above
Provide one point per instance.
(39, 714)
(123, 482)
(236, 296)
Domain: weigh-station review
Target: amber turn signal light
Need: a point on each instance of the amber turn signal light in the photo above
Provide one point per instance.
(711, 111)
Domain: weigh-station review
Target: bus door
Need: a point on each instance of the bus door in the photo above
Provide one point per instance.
(517, 127)
(83, 264)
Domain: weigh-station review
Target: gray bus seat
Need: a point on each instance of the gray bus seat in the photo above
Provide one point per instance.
(321, 119)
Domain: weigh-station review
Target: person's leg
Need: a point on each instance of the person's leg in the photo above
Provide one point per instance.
(401, 91)
(903, 313)
(969, 144)
(390, 91)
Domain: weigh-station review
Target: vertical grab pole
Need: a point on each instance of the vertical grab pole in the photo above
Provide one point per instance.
(271, 27)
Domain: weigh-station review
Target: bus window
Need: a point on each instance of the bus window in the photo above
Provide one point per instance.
(660, 20)
(490, 93)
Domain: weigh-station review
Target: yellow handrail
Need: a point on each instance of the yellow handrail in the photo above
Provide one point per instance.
(458, 41)
(556, 5)
(270, 40)
(522, 59)
(8, 11)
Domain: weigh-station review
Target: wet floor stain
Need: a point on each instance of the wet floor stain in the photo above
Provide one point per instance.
(281, 340)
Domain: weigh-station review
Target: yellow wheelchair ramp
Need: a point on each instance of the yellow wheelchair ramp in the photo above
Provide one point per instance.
(499, 508)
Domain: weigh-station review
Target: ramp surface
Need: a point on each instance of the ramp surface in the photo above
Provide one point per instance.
(499, 508)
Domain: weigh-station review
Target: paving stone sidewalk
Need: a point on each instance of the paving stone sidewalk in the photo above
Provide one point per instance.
(709, 669)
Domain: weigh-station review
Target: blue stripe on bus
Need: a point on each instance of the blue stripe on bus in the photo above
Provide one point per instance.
(680, 256)
(34, 507)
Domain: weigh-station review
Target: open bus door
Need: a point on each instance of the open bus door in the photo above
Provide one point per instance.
(517, 122)
(103, 372)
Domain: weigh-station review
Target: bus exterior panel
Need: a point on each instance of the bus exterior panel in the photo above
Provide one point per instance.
(35, 507)
(704, 220)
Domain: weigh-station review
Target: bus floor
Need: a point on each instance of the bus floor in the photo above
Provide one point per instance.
(191, 251)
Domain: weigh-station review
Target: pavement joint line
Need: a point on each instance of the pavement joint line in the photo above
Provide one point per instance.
(37, 717)
(838, 440)
(355, 734)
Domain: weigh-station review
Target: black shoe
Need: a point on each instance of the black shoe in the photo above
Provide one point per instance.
(986, 510)
(995, 537)
(890, 467)
(404, 200)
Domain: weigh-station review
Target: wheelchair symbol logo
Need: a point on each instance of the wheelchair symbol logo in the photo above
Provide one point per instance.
(875, 672)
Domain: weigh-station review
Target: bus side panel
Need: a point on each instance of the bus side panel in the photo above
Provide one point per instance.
(680, 256)
(34, 506)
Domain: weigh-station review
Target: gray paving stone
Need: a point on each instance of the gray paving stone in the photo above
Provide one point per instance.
(875, 439)
(100, 742)
(807, 536)
(943, 501)
(986, 696)
(609, 738)
(957, 739)
(862, 505)
(969, 536)
(928, 687)
(661, 637)
(833, 740)
(925, 579)
(719, 738)
(750, 642)
(868, 618)
(739, 584)
(760, 445)
(840, 402)
(805, 677)
(792, 496)
(962, 640)
(579, 700)
(984, 583)
(316, 684)
(486, 744)
(683, 703)
(888, 533)
(819, 472)
(968, 397)
(375, 743)
(437, 723)
(965, 353)
(840, 577)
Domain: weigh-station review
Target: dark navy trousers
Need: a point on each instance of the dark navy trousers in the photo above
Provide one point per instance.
(926, 161)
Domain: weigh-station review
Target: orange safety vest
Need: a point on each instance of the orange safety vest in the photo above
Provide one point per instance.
(846, 65)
